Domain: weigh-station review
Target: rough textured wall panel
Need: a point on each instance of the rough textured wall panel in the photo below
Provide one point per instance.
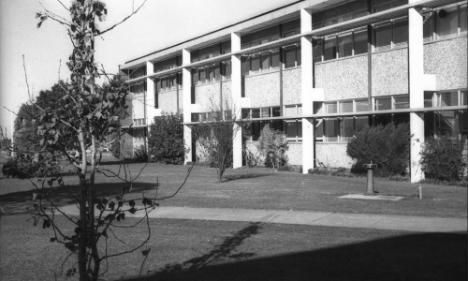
(227, 95)
(292, 86)
(448, 60)
(263, 89)
(390, 72)
(207, 96)
(168, 101)
(332, 155)
(294, 153)
(342, 79)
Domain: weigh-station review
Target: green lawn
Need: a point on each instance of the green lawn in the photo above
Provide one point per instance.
(264, 189)
(208, 250)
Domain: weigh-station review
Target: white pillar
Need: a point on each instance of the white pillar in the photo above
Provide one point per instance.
(150, 94)
(306, 93)
(236, 90)
(187, 101)
(416, 90)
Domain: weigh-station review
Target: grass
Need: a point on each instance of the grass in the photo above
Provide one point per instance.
(264, 189)
(208, 250)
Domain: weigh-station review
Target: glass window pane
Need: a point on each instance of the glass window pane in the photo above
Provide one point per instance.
(266, 61)
(201, 74)
(318, 106)
(329, 51)
(345, 45)
(361, 123)
(429, 26)
(401, 102)
(362, 105)
(447, 22)
(346, 106)
(290, 57)
(255, 63)
(276, 111)
(317, 50)
(463, 18)
(291, 129)
(216, 71)
(298, 56)
(331, 107)
(318, 128)
(449, 99)
(347, 128)
(383, 35)
(446, 124)
(245, 113)
(245, 65)
(299, 129)
(360, 42)
(255, 112)
(275, 59)
(464, 96)
(400, 31)
(383, 103)
(332, 128)
(428, 99)
(265, 112)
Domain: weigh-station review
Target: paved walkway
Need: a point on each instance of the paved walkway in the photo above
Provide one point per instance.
(385, 222)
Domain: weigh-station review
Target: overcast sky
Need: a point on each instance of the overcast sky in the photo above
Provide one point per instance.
(159, 24)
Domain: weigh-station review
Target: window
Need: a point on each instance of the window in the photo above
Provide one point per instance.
(226, 68)
(428, 26)
(255, 113)
(383, 103)
(345, 45)
(383, 35)
(317, 49)
(360, 42)
(265, 111)
(362, 105)
(245, 113)
(318, 107)
(332, 129)
(276, 111)
(401, 102)
(400, 31)
(428, 99)
(331, 107)
(290, 57)
(463, 97)
(245, 65)
(346, 106)
(347, 128)
(447, 22)
(265, 60)
(361, 123)
(255, 63)
(329, 50)
(449, 99)
(463, 19)
(201, 75)
(275, 59)
(217, 73)
(319, 128)
(195, 117)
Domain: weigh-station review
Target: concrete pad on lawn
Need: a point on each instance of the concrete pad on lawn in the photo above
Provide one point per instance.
(371, 197)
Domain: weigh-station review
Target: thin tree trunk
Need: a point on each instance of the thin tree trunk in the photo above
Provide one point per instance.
(83, 214)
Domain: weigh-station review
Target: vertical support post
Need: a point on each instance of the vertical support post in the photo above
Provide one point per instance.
(186, 101)
(150, 109)
(416, 90)
(307, 83)
(236, 90)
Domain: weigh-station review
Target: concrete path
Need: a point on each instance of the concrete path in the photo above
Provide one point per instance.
(373, 221)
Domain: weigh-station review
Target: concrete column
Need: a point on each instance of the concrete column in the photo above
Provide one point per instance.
(236, 91)
(150, 95)
(186, 101)
(416, 90)
(307, 84)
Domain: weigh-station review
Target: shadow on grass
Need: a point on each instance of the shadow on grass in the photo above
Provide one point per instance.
(20, 202)
(225, 250)
(432, 256)
(229, 178)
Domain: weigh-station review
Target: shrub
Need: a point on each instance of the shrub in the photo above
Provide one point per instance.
(442, 159)
(166, 139)
(386, 146)
(274, 145)
(141, 155)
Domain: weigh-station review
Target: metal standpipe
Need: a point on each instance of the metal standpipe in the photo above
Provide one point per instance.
(370, 177)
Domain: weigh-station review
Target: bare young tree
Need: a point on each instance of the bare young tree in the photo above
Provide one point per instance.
(81, 120)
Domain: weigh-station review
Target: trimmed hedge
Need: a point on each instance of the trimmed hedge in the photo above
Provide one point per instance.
(386, 146)
(442, 160)
(166, 139)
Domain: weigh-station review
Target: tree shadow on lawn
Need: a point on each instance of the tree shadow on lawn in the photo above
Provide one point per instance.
(21, 202)
(429, 256)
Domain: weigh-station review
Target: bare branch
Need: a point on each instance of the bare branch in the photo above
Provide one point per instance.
(123, 20)
(26, 79)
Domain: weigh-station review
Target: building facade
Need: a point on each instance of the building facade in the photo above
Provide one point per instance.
(319, 71)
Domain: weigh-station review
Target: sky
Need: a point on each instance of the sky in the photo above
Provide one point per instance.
(158, 24)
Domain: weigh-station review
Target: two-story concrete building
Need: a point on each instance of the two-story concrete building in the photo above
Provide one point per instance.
(318, 70)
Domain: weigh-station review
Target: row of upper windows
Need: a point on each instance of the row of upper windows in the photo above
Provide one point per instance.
(211, 72)
(445, 21)
(290, 57)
